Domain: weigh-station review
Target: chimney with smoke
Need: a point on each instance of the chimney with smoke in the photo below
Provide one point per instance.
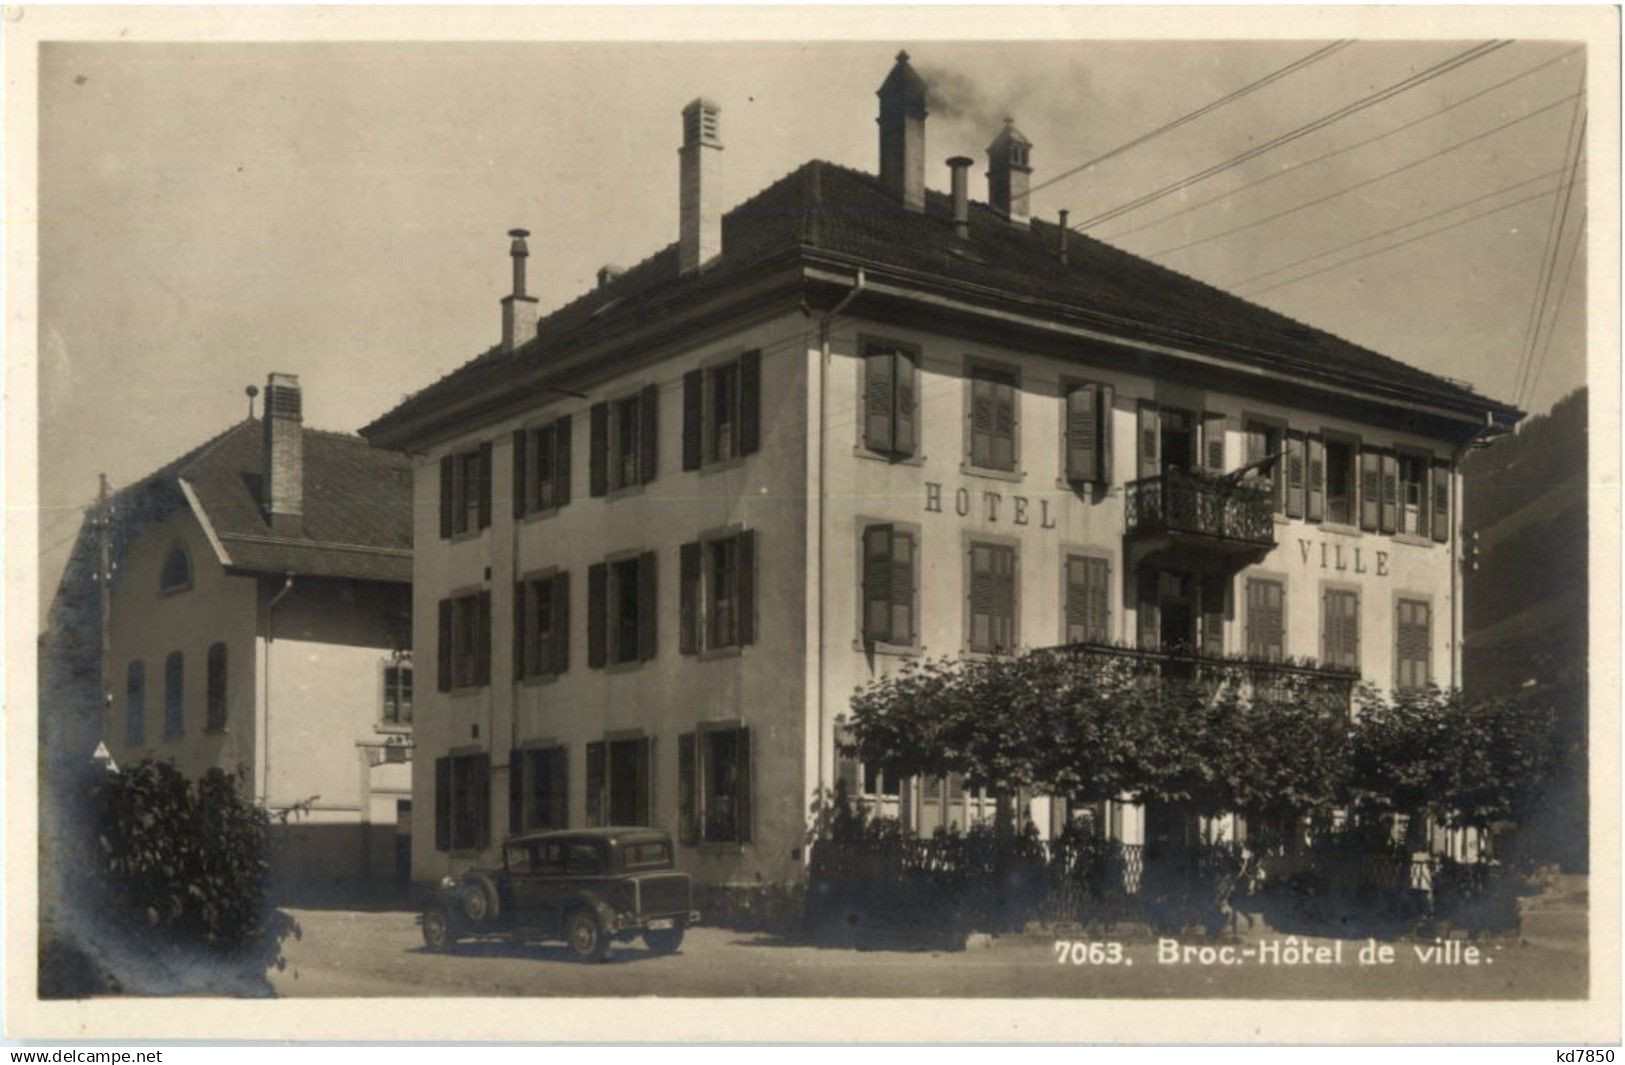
(283, 477)
(1009, 172)
(959, 181)
(520, 312)
(902, 134)
(699, 215)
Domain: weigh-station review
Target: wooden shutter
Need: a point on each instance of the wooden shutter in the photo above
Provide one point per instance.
(688, 580)
(1315, 508)
(482, 640)
(901, 621)
(750, 402)
(688, 827)
(1370, 490)
(1213, 442)
(1148, 613)
(561, 461)
(597, 614)
(1148, 439)
(1077, 597)
(1106, 396)
(595, 783)
(558, 784)
(1412, 653)
(907, 377)
(1083, 434)
(647, 602)
(481, 783)
(649, 433)
(598, 449)
(521, 442)
(1389, 521)
(693, 418)
(877, 556)
(448, 466)
(516, 789)
(1213, 590)
(879, 399)
(1295, 475)
(742, 752)
(745, 587)
(485, 484)
(1439, 494)
(561, 622)
(443, 635)
(442, 804)
(1099, 572)
(521, 629)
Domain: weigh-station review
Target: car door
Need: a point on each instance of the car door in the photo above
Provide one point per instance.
(525, 882)
(552, 889)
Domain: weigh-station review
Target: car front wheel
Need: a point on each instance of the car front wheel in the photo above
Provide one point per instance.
(663, 940)
(585, 936)
(436, 929)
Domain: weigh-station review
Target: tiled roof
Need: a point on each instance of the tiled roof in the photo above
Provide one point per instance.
(822, 207)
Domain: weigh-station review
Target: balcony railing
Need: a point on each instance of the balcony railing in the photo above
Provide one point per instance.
(1320, 687)
(1179, 503)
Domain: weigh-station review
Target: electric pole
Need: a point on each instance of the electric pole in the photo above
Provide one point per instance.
(104, 580)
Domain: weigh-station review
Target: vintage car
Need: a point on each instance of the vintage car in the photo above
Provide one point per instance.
(588, 887)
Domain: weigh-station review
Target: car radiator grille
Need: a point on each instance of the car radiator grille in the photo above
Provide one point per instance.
(664, 894)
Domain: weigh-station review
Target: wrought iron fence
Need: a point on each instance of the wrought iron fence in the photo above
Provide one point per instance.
(1180, 501)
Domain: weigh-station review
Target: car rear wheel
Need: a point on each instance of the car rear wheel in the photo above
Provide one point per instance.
(663, 940)
(585, 936)
(437, 929)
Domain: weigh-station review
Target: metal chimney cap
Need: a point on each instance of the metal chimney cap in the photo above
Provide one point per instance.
(518, 234)
(961, 160)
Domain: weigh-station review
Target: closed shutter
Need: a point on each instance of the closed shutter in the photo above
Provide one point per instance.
(1148, 613)
(1439, 491)
(1213, 592)
(649, 433)
(1213, 442)
(1100, 603)
(522, 638)
(595, 783)
(598, 449)
(1148, 440)
(443, 635)
(1412, 652)
(558, 784)
(1265, 620)
(906, 415)
(597, 614)
(901, 588)
(1370, 490)
(1315, 510)
(1077, 599)
(561, 461)
(561, 622)
(742, 752)
(482, 641)
(516, 790)
(877, 555)
(750, 402)
(485, 484)
(1295, 475)
(1389, 521)
(480, 765)
(521, 442)
(1083, 434)
(647, 586)
(688, 580)
(688, 829)
(447, 486)
(1342, 628)
(879, 400)
(693, 418)
(442, 804)
(745, 587)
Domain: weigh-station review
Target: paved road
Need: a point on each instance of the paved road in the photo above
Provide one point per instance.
(347, 953)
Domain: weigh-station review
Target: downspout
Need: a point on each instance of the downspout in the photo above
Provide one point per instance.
(1458, 614)
(265, 713)
(826, 325)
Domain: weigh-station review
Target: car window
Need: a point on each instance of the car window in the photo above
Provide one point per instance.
(643, 855)
(519, 859)
(551, 859)
(583, 857)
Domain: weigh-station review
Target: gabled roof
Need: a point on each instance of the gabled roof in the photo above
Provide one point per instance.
(825, 210)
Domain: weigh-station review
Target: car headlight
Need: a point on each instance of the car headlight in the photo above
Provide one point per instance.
(448, 882)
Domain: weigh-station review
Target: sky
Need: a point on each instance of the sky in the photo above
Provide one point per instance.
(210, 213)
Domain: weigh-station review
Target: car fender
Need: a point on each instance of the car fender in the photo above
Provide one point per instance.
(595, 902)
(484, 884)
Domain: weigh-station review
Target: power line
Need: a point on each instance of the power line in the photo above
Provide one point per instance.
(1525, 344)
(1539, 309)
(1368, 181)
(1284, 171)
(1191, 116)
(1478, 51)
(1557, 306)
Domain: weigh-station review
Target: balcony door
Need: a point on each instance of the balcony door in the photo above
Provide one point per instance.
(1178, 438)
(1181, 611)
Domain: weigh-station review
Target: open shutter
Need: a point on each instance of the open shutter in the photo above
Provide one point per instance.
(877, 553)
(598, 449)
(447, 473)
(649, 433)
(742, 751)
(647, 586)
(521, 634)
(521, 440)
(597, 614)
(561, 622)
(1370, 490)
(561, 461)
(1389, 521)
(482, 640)
(1148, 439)
(688, 592)
(693, 418)
(443, 636)
(485, 484)
(516, 790)
(595, 783)
(907, 411)
(879, 399)
(688, 829)
(1148, 615)
(1213, 442)
(1439, 494)
(1315, 508)
(1083, 434)
(745, 587)
(1105, 472)
(1213, 591)
(1296, 476)
(750, 402)
(442, 804)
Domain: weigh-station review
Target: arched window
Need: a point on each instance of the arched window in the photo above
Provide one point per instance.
(135, 704)
(176, 575)
(216, 719)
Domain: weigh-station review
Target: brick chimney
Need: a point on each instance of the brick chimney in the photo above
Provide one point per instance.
(520, 312)
(283, 490)
(1009, 172)
(699, 215)
(902, 134)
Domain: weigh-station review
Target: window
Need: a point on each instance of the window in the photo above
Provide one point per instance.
(176, 574)
(646, 855)
(174, 693)
(1088, 599)
(135, 704)
(1297, 474)
(621, 611)
(1263, 440)
(397, 693)
(541, 468)
(1315, 477)
(890, 589)
(992, 599)
(722, 411)
(992, 418)
(462, 792)
(1440, 521)
(1340, 481)
(718, 591)
(465, 491)
(713, 771)
(624, 435)
(215, 713)
(1414, 505)
(890, 400)
(1413, 643)
(1266, 619)
(618, 785)
(542, 626)
(465, 641)
(1088, 431)
(1370, 489)
(538, 789)
(1340, 628)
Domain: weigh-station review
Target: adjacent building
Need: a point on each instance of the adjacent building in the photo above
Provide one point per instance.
(666, 530)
